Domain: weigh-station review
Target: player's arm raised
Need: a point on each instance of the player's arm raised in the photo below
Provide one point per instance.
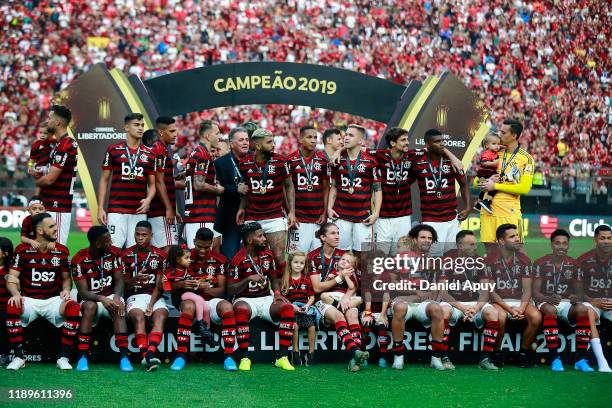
(455, 162)
(102, 188)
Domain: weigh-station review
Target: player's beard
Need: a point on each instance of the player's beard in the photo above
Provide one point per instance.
(50, 238)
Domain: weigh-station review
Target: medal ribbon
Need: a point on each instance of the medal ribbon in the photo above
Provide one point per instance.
(131, 162)
(352, 170)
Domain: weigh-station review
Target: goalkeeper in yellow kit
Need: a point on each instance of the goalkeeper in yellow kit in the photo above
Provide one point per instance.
(514, 178)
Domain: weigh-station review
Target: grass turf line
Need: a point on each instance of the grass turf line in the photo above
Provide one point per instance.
(322, 386)
(536, 247)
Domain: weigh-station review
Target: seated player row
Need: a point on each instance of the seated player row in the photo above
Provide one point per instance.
(200, 282)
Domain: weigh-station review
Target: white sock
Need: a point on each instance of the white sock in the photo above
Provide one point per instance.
(601, 359)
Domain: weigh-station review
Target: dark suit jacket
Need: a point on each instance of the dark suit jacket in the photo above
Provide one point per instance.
(229, 202)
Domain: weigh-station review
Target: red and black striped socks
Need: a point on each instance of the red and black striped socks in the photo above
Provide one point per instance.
(14, 329)
(355, 330)
(183, 332)
(121, 341)
(583, 335)
(141, 342)
(286, 326)
(383, 340)
(228, 332)
(345, 335)
(551, 334)
(243, 334)
(154, 339)
(490, 332)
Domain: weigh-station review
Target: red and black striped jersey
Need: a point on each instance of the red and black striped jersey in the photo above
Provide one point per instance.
(128, 185)
(4, 293)
(41, 273)
(150, 263)
(325, 267)
(264, 199)
(58, 196)
(417, 267)
(353, 198)
(596, 274)
(40, 152)
(299, 290)
(200, 206)
(307, 175)
(209, 268)
(164, 165)
(98, 273)
(557, 279)
(396, 179)
(26, 228)
(242, 266)
(457, 274)
(507, 274)
(438, 202)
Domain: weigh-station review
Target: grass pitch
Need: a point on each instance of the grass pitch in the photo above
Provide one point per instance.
(326, 385)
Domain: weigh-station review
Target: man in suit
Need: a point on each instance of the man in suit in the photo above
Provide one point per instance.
(230, 178)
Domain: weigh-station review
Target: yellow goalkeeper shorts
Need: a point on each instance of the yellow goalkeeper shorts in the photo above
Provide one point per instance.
(489, 224)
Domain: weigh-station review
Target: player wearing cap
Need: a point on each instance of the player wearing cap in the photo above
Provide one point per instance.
(201, 186)
(310, 173)
(266, 174)
(57, 185)
(132, 168)
(354, 183)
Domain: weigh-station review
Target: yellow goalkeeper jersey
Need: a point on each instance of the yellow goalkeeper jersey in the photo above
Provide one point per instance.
(516, 175)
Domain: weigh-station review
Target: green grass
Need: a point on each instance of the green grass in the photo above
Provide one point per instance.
(536, 247)
(321, 386)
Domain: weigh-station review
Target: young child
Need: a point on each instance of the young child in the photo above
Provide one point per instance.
(40, 152)
(489, 160)
(178, 278)
(347, 266)
(6, 256)
(297, 288)
(28, 236)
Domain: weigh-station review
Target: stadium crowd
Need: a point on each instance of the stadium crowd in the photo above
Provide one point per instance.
(545, 63)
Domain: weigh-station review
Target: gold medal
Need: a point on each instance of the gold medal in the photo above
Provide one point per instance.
(309, 188)
(263, 190)
(439, 194)
(351, 190)
(132, 176)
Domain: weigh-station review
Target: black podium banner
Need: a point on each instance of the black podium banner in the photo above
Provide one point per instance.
(42, 342)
